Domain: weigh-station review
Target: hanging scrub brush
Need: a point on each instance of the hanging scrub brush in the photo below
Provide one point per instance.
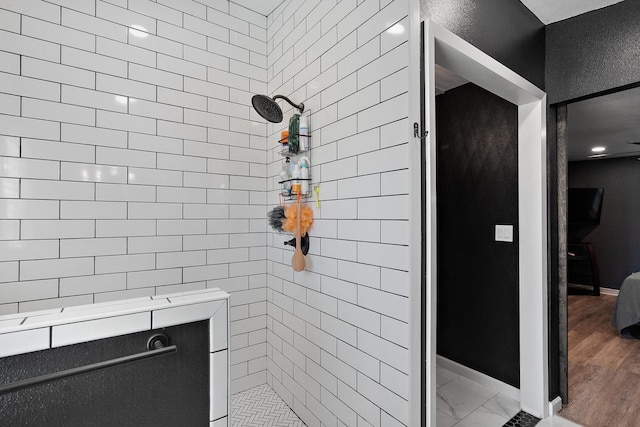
(276, 215)
(298, 220)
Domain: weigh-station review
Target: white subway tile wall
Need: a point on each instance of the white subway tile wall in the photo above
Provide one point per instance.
(132, 164)
(128, 154)
(337, 333)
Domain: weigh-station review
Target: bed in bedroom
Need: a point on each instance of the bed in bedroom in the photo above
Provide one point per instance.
(626, 312)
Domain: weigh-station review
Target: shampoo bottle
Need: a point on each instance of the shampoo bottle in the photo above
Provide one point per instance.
(292, 166)
(284, 176)
(304, 175)
(295, 184)
(304, 132)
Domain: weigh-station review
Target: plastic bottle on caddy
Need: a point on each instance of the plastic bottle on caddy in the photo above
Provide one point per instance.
(304, 132)
(284, 176)
(304, 175)
(295, 184)
(292, 166)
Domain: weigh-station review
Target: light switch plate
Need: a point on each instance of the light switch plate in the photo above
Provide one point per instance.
(504, 233)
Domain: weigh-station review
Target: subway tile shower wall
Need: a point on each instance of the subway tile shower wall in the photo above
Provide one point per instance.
(131, 163)
(338, 333)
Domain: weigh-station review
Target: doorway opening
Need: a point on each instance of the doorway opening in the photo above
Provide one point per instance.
(478, 370)
(588, 343)
(451, 52)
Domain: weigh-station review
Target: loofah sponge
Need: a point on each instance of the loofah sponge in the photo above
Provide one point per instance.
(306, 219)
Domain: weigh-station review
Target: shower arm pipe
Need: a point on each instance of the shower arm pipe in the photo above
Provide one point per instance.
(298, 106)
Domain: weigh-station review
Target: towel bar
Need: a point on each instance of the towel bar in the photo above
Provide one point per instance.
(54, 376)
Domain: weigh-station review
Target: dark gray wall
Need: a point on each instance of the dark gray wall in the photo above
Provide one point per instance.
(504, 29)
(477, 185)
(617, 238)
(593, 52)
(585, 55)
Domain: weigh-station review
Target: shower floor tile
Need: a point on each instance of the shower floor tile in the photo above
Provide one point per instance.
(261, 406)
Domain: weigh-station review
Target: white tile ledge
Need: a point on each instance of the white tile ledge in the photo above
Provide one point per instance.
(50, 318)
(28, 332)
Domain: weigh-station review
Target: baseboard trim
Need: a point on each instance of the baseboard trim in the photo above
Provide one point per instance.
(555, 406)
(484, 380)
(610, 291)
(605, 291)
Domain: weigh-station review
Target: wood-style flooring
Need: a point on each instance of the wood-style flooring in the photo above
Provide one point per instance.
(604, 369)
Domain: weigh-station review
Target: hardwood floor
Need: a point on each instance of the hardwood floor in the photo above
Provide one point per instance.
(604, 369)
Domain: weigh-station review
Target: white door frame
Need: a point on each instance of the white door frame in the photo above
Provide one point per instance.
(460, 57)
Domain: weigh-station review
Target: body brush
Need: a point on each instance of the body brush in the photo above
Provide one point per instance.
(276, 215)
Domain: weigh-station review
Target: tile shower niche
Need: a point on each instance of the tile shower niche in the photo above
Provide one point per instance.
(160, 361)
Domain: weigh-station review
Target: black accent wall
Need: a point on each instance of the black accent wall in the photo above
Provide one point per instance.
(593, 52)
(617, 239)
(477, 187)
(165, 391)
(504, 29)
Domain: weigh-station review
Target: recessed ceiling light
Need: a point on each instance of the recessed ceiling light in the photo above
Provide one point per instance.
(596, 156)
(598, 149)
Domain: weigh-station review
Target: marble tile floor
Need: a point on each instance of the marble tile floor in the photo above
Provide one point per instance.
(460, 403)
(463, 403)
